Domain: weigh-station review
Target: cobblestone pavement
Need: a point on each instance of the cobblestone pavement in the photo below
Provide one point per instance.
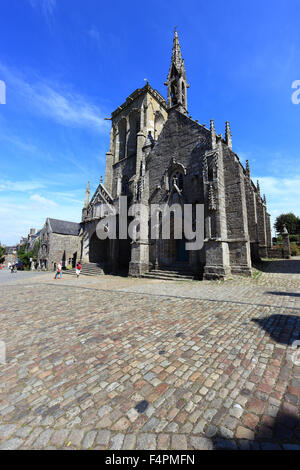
(116, 363)
(6, 276)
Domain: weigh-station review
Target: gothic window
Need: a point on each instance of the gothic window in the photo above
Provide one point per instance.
(134, 127)
(177, 178)
(210, 173)
(158, 124)
(145, 116)
(122, 138)
(173, 93)
(183, 94)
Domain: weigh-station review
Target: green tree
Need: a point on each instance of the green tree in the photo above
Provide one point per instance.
(291, 221)
(24, 257)
(2, 253)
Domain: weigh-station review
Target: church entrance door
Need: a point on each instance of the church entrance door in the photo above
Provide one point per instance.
(182, 256)
(98, 249)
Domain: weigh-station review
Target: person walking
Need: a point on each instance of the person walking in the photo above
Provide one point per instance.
(78, 269)
(58, 271)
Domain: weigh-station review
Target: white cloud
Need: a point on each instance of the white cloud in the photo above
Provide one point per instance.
(19, 215)
(47, 6)
(6, 185)
(42, 201)
(283, 194)
(55, 102)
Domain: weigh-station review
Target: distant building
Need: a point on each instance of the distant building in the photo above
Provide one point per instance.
(59, 241)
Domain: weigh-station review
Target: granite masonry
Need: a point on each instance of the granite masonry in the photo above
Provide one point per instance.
(159, 154)
(59, 242)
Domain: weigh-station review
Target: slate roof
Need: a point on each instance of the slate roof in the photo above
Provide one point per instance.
(64, 227)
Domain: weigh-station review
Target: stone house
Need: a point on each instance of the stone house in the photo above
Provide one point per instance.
(159, 154)
(59, 241)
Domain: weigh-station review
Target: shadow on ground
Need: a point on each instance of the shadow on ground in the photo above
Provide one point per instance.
(287, 294)
(281, 266)
(284, 329)
(282, 432)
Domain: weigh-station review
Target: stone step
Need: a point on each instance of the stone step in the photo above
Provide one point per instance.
(172, 272)
(166, 278)
(88, 269)
(169, 275)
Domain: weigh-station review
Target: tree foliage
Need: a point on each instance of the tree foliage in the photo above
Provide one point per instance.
(290, 220)
(24, 257)
(2, 253)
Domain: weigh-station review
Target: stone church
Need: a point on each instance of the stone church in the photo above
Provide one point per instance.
(158, 154)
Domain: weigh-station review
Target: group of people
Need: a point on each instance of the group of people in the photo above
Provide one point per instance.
(12, 267)
(58, 274)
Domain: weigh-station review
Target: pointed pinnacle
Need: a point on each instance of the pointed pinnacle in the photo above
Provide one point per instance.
(247, 168)
(176, 52)
(258, 187)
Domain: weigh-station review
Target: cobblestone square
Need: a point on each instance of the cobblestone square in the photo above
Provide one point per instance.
(119, 363)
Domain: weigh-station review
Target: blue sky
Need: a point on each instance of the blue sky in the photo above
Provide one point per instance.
(67, 64)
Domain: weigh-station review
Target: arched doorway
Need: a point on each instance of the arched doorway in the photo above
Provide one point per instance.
(98, 249)
(124, 255)
(182, 255)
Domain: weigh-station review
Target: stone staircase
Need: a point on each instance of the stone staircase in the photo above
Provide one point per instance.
(177, 273)
(88, 269)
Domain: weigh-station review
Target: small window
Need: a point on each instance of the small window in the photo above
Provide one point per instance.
(177, 178)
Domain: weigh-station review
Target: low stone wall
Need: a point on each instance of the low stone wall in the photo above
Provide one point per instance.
(275, 253)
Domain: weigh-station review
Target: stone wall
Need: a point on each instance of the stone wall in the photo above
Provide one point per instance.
(63, 248)
(56, 247)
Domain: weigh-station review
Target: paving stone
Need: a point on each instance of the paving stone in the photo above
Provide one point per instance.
(6, 430)
(129, 442)
(225, 444)
(179, 442)
(43, 439)
(146, 442)
(201, 443)
(59, 437)
(89, 439)
(117, 441)
(103, 437)
(11, 444)
(163, 442)
(244, 433)
(190, 390)
(76, 437)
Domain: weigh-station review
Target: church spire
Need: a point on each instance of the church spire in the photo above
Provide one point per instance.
(228, 135)
(176, 52)
(176, 81)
